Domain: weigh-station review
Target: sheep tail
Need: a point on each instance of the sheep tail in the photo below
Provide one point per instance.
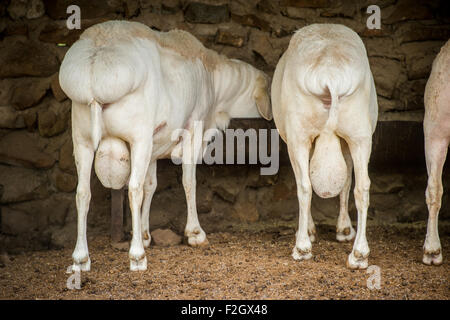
(332, 121)
(96, 123)
(328, 170)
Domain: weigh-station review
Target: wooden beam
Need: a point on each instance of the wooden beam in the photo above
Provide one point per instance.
(117, 197)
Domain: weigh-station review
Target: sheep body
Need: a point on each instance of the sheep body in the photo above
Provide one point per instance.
(324, 102)
(131, 88)
(436, 126)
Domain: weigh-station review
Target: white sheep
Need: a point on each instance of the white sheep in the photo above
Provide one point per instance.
(324, 102)
(436, 127)
(130, 88)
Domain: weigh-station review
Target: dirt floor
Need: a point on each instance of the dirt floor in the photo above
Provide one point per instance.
(238, 266)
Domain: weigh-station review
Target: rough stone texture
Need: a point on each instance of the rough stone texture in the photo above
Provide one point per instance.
(197, 12)
(252, 20)
(419, 58)
(20, 184)
(56, 9)
(20, 148)
(52, 210)
(260, 43)
(298, 13)
(37, 170)
(306, 3)
(63, 237)
(17, 9)
(65, 182)
(66, 159)
(165, 237)
(409, 32)
(31, 9)
(59, 33)
(26, 59)
(386, 105)
(386, 73)
(409, 10)
(346, 9)
(54, 119)
(170, 6)
(29, 92)
(267, 6)
(16, 222)
(10, 119)
(228, 38)
(226, 190)
(384, 47)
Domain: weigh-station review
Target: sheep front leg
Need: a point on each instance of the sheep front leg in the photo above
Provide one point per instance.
(149, 190)
(344, 229)
(360, 151)
(84, 156)
(435, 153)
(140, 158)
(299, 156)
(194, 232)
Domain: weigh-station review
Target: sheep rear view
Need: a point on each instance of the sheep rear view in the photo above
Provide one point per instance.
(324, 103)
(131, 89)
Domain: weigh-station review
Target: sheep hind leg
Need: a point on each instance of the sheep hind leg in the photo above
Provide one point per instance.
(344, 229)
(360, 151)
(83, 158)
(436, 152)
(140, 158)
(193, 231)
(299, 156)
(149, 190)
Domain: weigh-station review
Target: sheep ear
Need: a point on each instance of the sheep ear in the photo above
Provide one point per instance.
(262, 99)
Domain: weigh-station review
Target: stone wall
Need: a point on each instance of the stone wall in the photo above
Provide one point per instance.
(37, 173)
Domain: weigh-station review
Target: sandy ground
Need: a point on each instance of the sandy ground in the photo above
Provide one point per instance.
(238, 266)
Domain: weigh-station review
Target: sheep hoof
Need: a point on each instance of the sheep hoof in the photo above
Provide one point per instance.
(138, 265)
(197, 238)
(312, 235)
(347, 234)
(146, 239)
(357, 261)
(83, 266)
(198, 242)
(432, 258)
(301, 254)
